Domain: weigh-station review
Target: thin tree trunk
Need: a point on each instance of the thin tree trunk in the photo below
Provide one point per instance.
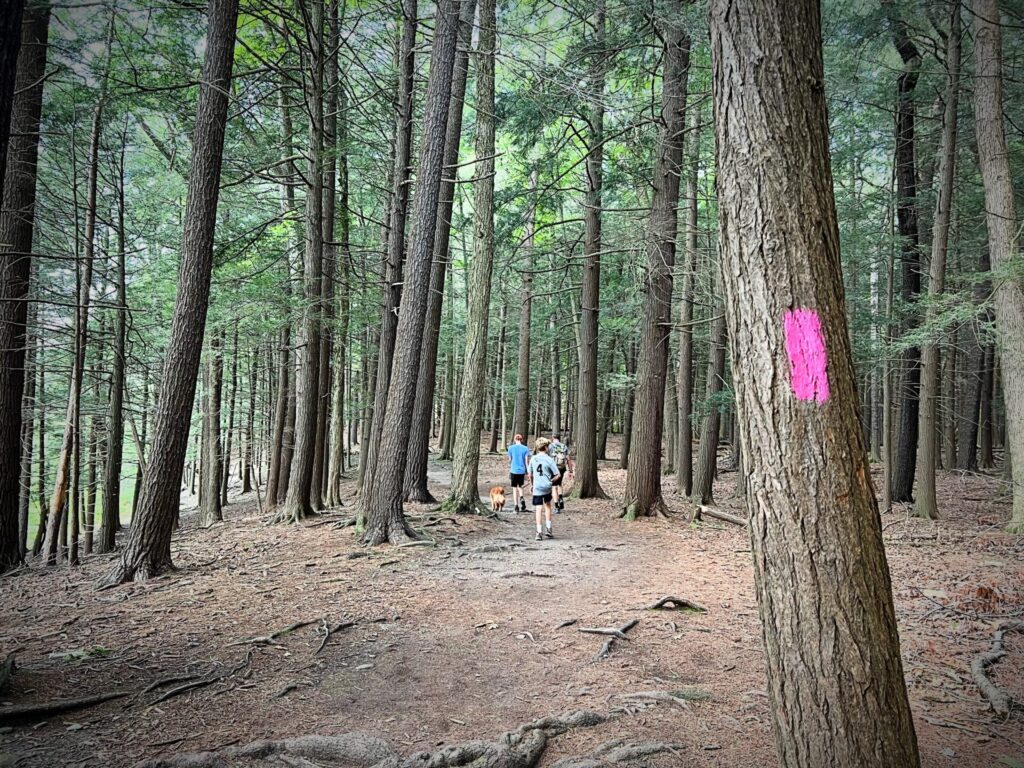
(1003, 233)
(69, 447)
(226, 457)
(926, 504)
(707, 454)
(393, 265)
(147, 552)
(643, 480)
(210, 504)
(628, 408)
(37, 541)
(684, 386)
(910, 250)
(521, 414)
(499, 383)
(27, 433)
(383, 499)
(835, 677)
(248, 452)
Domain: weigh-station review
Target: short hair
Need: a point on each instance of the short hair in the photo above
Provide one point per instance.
(518, 437)
(556, 436)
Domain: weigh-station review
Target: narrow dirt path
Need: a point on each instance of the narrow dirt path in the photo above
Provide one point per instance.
(461, 640)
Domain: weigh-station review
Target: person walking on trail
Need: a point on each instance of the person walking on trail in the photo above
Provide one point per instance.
(518, 456)
(543, 474)
(559, 452)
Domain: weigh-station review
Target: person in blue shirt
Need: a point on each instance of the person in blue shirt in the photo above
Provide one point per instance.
(518, 456)
(543, 474)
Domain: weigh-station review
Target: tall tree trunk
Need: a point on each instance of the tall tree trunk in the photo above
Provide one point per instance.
(393, 263)
(27, 432)
(16, 227)
(1003, 232)
(628, 407)
(303, 497)
(465, 496)
(211, 510)
(415, 484)
(586, 484)
(383, 505)
(248, 452)
(835, 678)
(643, 480)
(37, 541)
(910, 254)
(70, 444)
(707, 454)
(147, 552)
(985, 458)
(684, 387)
(949, 400)
(115, 410)
(926, 504)
(321, 454)
(968, 418)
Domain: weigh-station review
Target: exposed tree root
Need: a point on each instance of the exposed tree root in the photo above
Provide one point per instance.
(342, 524)
(657, 508)
(677, 603)
(328, 631)
(287, 515)
(143, 570)
(566, 623)
(457, 505)
(535, 574)
(521, 748)
(998, 698)
(703, 509)
(203, 682)
(617, 751)
(272, 637)
(34, 711)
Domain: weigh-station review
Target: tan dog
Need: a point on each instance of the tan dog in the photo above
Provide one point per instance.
(497, 498)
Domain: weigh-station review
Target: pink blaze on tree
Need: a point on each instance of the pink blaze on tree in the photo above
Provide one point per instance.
(808, 360)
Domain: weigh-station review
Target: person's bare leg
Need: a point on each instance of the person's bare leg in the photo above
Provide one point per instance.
(547, 516)
(538, 510)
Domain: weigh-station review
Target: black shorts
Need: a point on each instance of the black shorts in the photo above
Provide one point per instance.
(517, 481)
(545, 499)
(557, 482)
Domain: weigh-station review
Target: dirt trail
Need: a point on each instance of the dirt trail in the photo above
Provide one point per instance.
(460, 640)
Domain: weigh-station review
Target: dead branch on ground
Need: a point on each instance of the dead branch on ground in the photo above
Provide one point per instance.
(35, 711)
(998, 698)
(678, 603)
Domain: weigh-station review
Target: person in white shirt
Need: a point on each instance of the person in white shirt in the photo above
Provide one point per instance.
(543, 473)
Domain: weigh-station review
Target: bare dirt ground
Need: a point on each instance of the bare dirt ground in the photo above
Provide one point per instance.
(461, 640)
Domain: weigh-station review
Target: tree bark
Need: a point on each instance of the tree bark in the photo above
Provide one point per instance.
(926, 504)
(213, 454)
(465, 496)
(499, 383)
(148, 549)
(643, 480)
(415, 483)
(835, 677)
(967, 428)
(1003, 229)
(386, 519)
(628, 406)
(521, 413)
(10, 45)
(228, 435)
(910, 254)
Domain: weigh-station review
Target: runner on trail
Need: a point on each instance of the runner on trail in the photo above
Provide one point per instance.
(543, 473)
(559, 451)
(518, 456)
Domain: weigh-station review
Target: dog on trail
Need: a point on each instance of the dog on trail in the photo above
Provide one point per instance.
(497, 498)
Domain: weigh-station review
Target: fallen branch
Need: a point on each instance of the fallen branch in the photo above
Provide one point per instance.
(678, 603)
(566, 623)
(998, 698)
(33, 711)
(272, 638)
(703, 509)
(167, 681)
(526, 573)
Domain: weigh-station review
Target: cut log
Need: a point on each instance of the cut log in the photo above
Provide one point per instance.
(702, 509)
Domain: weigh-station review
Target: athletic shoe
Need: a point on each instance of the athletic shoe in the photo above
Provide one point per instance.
(540, 537)
(548, 534)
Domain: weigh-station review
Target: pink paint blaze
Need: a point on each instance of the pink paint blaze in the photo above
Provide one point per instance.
(808, 360)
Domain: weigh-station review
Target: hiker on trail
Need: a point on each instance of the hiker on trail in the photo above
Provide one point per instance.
(518, 456)
(543, 474)
(559, 451)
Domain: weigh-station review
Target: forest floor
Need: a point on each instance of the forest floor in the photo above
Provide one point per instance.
(461, 640)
